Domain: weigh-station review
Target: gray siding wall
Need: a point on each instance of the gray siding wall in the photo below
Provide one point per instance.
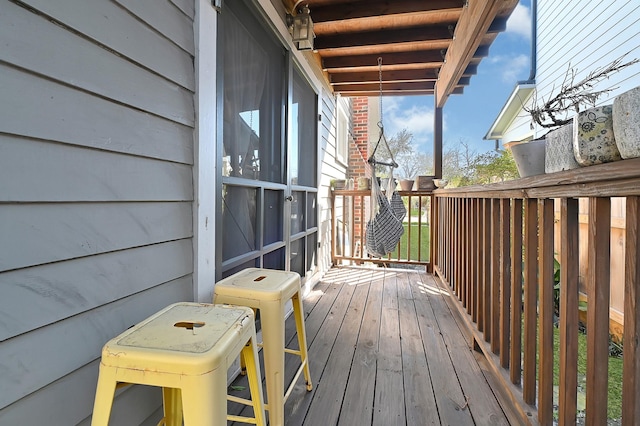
(96, 191)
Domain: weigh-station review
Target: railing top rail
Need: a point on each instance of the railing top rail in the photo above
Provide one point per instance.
(620, 178)
(419, 192)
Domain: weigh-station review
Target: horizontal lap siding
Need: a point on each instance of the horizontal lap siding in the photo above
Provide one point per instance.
(96, 192)
(587, 36)
(330, 169)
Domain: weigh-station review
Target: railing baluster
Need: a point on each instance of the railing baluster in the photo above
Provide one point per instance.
(598, 280)
(473, 247)
(456, 247)
(545, 307)
(486, 287)
(505, 281)
(479, 265)
(530, 300)
(495, 275)
(631, 367)
(461, 244)
(363, 225)
(516, 292)
(467, 254)
(450, 257)
(419, 254)
(569, 252)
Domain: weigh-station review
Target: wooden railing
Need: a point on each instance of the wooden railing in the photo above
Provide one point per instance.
(494, 247)
(350, 212)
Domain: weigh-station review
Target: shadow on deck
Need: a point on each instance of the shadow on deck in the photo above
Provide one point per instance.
(385, 349)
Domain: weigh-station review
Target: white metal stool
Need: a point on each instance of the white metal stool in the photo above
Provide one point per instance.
(186, 349)
(268, 291)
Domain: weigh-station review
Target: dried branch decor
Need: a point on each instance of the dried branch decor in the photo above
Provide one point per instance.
(574, 95)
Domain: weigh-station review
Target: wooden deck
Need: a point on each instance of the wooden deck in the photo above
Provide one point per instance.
(385, 349)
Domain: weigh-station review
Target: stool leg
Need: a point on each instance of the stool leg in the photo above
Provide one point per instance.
(204, 399)
(172, 403)
(272, 318)
(250, 356)
(105, 391)
(298, 314)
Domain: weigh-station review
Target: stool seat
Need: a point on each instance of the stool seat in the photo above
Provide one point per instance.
(262, 285)
(268, 291)
(187, 349)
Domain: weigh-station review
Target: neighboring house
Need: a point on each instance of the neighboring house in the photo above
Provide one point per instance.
(149, 148)
(583, 37)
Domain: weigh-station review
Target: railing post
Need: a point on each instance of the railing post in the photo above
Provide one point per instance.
(569, 254)
(598, 282)
(334, 226)
(434, 232)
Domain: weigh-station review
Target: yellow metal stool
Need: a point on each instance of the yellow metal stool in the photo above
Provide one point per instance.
(269, 290)
(186, 349)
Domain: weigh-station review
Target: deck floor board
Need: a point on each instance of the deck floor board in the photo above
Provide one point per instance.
(384, 349)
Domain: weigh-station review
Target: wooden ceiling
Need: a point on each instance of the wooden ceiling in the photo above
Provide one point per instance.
(422, 43)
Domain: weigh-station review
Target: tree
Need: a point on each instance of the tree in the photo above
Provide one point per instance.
(495, 166)
(410, 162)
(458, 163)
(462, 165)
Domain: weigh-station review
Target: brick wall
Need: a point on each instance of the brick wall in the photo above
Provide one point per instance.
(358, 154)
(358, 150)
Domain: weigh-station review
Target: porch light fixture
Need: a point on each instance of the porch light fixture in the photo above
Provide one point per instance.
(301, 29)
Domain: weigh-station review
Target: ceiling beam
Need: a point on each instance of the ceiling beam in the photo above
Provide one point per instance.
(456, 91)
(474, 22)
(431, 33)
(374, 76)
(386, 87)
(425, 57)
(355, 10)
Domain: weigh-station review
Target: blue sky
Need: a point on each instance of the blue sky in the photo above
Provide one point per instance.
(469, 116)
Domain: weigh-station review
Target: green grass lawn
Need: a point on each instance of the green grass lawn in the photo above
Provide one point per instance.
(614, 404)
(424, 243)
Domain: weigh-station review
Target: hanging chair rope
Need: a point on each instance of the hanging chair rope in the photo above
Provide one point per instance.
(381, 137)
(385, 227)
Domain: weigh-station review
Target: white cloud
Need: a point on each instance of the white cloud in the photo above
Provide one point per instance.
(515, 67)
(414, 113)
(511, 67)
(519, 22)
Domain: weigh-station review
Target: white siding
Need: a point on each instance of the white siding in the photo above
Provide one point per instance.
(96, 193)
(330, 169)
(586, 36)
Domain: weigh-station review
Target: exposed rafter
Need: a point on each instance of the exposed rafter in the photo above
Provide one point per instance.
(413, 38)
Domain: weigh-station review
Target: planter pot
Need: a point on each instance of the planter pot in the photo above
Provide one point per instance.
(593, 137)
(340, 184)
(559, 150)
(425, 183)
(626, 123)
(529, 156)
(406, 184)
(363, 183)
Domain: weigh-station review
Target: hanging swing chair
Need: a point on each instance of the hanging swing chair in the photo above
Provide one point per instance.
(385, 228)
